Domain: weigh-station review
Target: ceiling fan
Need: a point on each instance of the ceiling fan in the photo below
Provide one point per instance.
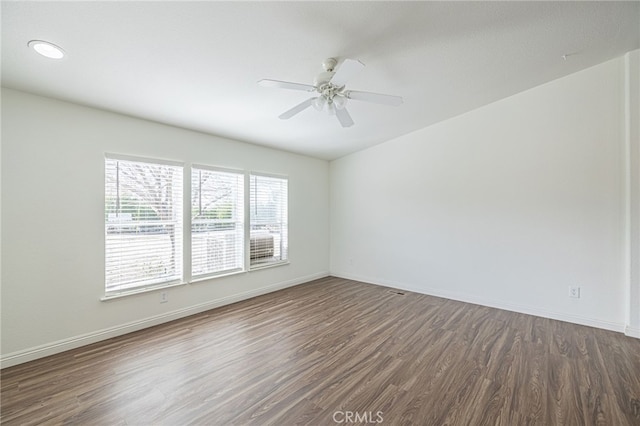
(332, 95)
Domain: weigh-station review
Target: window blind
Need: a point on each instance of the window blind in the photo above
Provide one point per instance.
(143, 224)
(217, 222)
(268, 200)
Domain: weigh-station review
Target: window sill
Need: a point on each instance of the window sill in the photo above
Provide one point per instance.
(268, 265)
(108, 297)
(214, 276)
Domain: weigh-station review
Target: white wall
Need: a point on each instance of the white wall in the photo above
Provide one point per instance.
(53, 230)
(506, 206)
(632, 139)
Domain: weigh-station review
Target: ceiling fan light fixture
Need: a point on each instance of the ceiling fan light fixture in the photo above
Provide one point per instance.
(331, 108)
(339, 101)
(46, 49)
(319, 103)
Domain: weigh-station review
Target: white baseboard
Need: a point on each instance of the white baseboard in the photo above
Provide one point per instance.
(52, 348)
(632, 331)
(493, 303)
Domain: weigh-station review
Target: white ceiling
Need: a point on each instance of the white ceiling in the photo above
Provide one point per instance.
(196, 64)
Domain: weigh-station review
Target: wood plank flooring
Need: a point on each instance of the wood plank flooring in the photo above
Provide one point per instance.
(314, 353)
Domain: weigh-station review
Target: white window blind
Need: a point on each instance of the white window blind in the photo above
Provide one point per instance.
(217, 222)
(143, 224)
(268, 205)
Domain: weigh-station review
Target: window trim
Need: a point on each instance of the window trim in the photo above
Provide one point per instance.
(203, 277)
(123, 157)
(108, 295)
(187, 277)
(269, 265)
(119, 295)
(249, 267)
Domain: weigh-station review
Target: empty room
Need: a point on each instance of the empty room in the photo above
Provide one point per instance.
(320, 213)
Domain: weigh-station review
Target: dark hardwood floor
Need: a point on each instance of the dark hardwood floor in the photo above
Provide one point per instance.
(335, 350)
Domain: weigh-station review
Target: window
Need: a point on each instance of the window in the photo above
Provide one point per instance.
(143, 224)
(269, 228)
(217, 222)
(235, 225)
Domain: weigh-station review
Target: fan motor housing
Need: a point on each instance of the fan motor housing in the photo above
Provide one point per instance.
(323, 78)
(329, 64)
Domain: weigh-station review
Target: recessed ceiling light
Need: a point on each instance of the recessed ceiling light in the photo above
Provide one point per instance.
(46, 49)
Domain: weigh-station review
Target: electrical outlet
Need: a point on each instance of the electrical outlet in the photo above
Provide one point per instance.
(574, 292)
(164, 297)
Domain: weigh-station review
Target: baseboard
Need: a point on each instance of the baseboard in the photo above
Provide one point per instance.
(632, 331)
(493, 303)
(53, 348)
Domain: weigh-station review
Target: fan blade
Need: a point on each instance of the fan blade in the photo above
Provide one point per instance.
(376, 98)
(286, 85)
(344, 117)
(348, 69)
(296, 109)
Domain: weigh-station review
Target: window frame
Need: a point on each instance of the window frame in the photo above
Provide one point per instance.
(242, 267)
(256, 267)
(185, 225)
(179, 228)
